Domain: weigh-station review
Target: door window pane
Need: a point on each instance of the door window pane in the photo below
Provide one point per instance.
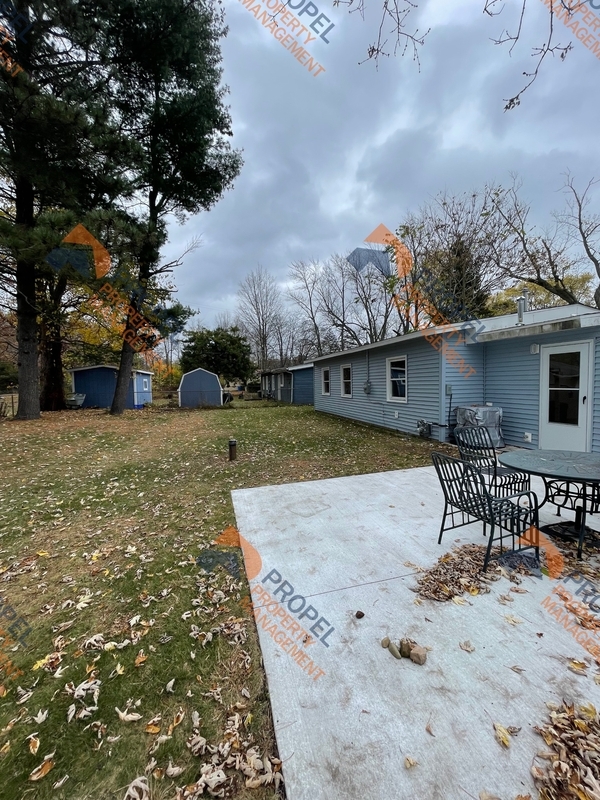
(564, 370)
(563, 406)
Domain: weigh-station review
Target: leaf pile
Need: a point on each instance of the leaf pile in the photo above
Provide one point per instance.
(574, 738)
(457, 572)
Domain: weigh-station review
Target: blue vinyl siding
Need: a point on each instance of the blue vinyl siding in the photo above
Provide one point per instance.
(512, 381)
(466, 378)
(303, 386)
(423, 386)
(98, 385)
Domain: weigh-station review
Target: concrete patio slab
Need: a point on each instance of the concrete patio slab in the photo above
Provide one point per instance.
(347, 713)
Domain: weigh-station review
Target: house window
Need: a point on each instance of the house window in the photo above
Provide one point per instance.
(145, 384)
(325, 381)
(396, 379)
(346, 380)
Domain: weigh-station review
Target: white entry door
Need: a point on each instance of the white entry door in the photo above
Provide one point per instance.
(565, 399)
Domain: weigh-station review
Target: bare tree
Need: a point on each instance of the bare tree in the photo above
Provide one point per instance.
(260, 308)
(542, 257)
(304, 292)
(394, 33)
(584, 226)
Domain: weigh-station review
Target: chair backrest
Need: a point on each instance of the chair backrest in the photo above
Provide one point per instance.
(463, 485)
(475, 445)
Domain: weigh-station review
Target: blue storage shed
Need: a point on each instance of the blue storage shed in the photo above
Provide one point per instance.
(302, 385)
(542, 367)
(98, 385)
(200, 388)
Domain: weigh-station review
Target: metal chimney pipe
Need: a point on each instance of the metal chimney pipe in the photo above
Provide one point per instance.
(520, 309)
(526, 299)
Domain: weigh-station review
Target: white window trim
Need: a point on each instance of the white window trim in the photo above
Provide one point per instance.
(388, 379)
(323, 370)
(342, 368)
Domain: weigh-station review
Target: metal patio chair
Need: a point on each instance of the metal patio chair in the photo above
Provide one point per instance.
(467, 499)
(475, 446)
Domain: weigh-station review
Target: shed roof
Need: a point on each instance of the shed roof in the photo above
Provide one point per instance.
(300, 366)
(109, 366)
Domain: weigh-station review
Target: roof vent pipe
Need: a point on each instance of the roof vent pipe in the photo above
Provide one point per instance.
(520, 309)
(526, 299)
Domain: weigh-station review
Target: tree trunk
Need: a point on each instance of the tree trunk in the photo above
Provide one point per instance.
(52, 397)
(123, 377)
(27, 324)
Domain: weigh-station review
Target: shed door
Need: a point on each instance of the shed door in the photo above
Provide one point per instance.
(565, 400)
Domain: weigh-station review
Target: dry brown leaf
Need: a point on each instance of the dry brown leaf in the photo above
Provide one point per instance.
(517, 669)
(140, 659)
(459, 601)
(502, 735)
(487, 796)
(3, 691)
(34, 743)
(60, 783)
(177, 720)
(44, 768)
(428, 729)
(153, 726)
(5, 748)
(410, 762)
(467, 646)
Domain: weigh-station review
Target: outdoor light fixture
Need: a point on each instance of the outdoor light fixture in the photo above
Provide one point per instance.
(534, 349)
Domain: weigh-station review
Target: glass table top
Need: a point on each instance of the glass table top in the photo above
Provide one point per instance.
(566, 464)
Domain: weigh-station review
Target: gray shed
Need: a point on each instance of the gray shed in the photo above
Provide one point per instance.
(200, 388)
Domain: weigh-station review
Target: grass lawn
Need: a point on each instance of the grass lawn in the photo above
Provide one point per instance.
(139, 664)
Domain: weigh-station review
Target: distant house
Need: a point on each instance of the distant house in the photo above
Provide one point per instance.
(98, 384)
(200, 388)
(541, 367)
(289, 384)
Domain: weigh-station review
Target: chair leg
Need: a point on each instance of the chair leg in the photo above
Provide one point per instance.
(489, 547)
(443, 522)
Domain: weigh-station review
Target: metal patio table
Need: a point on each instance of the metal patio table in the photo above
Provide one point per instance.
(563, 466)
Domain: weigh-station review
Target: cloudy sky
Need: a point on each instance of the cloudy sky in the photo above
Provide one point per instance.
(329, 157)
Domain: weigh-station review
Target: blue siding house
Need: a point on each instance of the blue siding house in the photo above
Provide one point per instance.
(98, 385)
(541, 367)
(302, 385)
(200, 388)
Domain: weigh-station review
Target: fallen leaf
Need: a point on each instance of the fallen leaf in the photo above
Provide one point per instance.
(5, 748)
(3, 690)
(410, 762)
(177, 720)
(487, 796)
(44, 768)
(459, 601)
(466, 645)
(169, 686)
(41, 716)
(517, 669)
(173, 771)
(125, 716)
(510, 618)
(138, 790)
(428, 729)
(153, 726)
(34, 744)
(502, 735)
(578, 667)
(140, 658)
(60, 783)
